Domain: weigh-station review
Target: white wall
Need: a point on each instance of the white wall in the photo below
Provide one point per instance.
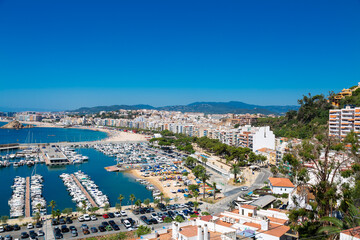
(347, 237)
(263, 138)
(281, 190)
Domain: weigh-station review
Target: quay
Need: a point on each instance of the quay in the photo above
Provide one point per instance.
(93, 203)
(5, 147)
(27, 198)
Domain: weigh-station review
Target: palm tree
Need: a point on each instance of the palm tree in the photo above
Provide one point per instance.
(167, 200)
(121, 197)
(235, 170)
(38, 207)
(57, 213)
(214, 186)
(161, 197)
(196, 204)
(203, 178)
(52, 205)
(350, 220)
(84, 206)
(36, 217)
(132, 199)
(195, 194)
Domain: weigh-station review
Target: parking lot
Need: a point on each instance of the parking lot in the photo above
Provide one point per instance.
(134, 216)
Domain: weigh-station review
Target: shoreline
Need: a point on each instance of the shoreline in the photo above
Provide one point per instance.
(112, 135)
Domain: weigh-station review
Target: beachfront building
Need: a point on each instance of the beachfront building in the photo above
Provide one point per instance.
(256, 138)
(281, 185)
(343, 121)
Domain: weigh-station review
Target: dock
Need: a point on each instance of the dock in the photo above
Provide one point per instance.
(53, 156)
(93, 203)
(27, 198)
(5, 147)
(112, 169)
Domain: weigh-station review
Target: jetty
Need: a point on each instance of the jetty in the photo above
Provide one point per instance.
(112, 169)
(93, 203)
(5, 147)
(27, 198)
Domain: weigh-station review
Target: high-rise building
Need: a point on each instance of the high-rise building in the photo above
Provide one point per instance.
(343, 121)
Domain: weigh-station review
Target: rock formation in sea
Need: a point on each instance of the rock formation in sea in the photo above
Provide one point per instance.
(16, 125)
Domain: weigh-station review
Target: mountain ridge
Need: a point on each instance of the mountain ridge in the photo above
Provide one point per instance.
(204, 107)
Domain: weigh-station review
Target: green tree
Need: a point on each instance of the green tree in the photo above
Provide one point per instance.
(167, 220)
(84, 206)
(195, 194)
(52, 205)
(106, 207)
(147, 202)
(93, 210)
(167, 200)
(132, 199)
(235, 170)
(215, 189)
(142, 230)
(4, 219)
(179, 219)
(121, 198)
(57, 214)
(36, 216)
(196, 205)
(138, 203)
(67, 211)
(203, 178)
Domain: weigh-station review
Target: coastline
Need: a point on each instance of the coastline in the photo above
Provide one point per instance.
(112, 135)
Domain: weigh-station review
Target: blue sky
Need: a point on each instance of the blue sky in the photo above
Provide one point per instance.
(67, 54)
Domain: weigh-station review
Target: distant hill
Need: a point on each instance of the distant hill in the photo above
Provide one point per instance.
(205, 107)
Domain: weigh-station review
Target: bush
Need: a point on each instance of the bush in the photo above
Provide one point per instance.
(179, 219)
(205, 213)
(142, 230)
(193, 215)
(167, 220)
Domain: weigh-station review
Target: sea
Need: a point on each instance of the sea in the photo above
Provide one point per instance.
(110, 183)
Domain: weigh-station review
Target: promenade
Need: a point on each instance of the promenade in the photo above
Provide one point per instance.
(93, 203)
(27, 198)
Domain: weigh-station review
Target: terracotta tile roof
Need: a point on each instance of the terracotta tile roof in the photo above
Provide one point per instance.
(250, 224)
(164, 236)
(189, 231)
(354, 232)
(279, 210)
(222, 223)
(281, 182)
(206, 218)
(247, 206)
(276, 230)
(277, 220)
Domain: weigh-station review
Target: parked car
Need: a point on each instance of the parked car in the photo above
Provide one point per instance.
(117, 214)
(30, 226)
(62, 221)
(24, 235)
(41, 233)
(81, 218)
(84, 226)
(123, 213)
(74, 233)
(105, 216)
(69, 220)
(86, 231)
(55, 222)
(101, 228)
(111, 215)
(86, 217)
(17, 227)
(244, 188)
(94, 230)
(64, 229)
(93, 218)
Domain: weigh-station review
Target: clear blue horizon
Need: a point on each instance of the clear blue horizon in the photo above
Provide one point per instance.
(68, 54)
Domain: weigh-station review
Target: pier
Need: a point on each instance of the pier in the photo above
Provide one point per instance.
(84, 191)
(27, 198)
(4, 147)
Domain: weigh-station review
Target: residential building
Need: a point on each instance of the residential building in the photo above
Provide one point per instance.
(281, 185)
(343, 121)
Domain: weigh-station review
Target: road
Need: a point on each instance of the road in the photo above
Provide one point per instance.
(232, 194)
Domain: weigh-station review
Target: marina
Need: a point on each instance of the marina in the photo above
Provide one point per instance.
(17, 200)
(38, 202)
(27, 198)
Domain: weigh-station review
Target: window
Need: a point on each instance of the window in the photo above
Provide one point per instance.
(242, 212)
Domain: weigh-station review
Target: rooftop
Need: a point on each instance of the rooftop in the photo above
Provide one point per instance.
(281, 182)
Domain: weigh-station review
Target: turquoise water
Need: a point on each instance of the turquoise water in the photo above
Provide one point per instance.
(112, 184)
(46, 135)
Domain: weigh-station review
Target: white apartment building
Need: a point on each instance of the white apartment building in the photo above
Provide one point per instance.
(343, 121)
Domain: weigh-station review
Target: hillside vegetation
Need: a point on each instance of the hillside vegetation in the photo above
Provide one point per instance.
(311, 118)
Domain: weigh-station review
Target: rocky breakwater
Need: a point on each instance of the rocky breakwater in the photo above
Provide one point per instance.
(16, 125)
